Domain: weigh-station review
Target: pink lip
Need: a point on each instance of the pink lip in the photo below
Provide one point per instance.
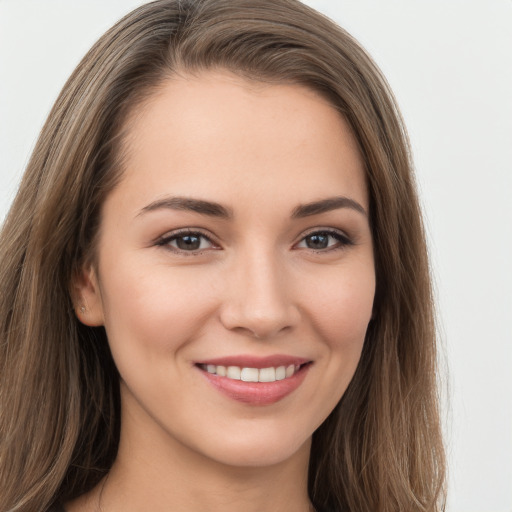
(256, 393)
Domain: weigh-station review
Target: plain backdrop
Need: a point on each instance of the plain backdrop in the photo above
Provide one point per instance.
(450, 65)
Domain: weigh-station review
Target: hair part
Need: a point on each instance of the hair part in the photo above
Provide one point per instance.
(381, 447)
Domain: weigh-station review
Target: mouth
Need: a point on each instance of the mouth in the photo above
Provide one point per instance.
(255, 381)
(248, 374)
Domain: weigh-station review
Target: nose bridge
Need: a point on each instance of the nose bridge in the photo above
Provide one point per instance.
(259, 299)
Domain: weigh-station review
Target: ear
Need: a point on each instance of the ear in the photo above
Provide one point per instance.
(86, 296)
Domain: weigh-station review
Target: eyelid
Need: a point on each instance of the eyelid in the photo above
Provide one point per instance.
(343, 238)
(164, 240)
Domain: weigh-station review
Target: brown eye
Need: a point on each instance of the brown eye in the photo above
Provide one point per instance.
(187, 242)
(317, 241)
(324, 240)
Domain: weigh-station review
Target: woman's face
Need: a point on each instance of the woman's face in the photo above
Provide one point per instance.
(236, 246)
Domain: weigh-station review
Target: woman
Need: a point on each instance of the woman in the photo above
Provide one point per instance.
(215, 289)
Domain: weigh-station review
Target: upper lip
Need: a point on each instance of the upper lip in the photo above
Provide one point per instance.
(249, 361)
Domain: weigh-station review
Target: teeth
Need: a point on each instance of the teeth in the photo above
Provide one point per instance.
(252, 374)
(280, 373)
(233, 372)
(249, 375)
(267, 375)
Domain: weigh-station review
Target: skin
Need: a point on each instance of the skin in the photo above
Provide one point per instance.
(256, 286)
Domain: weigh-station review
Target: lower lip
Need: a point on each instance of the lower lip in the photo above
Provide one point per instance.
(257, 393)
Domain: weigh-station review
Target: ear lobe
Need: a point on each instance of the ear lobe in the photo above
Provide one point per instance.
(87, 297)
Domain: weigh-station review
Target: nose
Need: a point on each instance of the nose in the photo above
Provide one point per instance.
(259, 301)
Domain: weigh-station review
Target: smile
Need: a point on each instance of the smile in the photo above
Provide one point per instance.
(270, 374)
(255, 381)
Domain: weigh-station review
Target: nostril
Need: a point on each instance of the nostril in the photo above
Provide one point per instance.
(259, 323)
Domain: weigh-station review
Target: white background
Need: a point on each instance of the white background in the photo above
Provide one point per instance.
(450, 65)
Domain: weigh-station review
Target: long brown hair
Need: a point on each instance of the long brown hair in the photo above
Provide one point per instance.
(380, 450)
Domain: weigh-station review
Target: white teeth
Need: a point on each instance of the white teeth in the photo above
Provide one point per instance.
(233, 372)
(290, 370)
(267, 375)
(249, 375)
(270, 374)
(280, 373)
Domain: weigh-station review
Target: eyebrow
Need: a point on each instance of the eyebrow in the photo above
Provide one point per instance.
(188, 204)
(327, 205)
(213, 209)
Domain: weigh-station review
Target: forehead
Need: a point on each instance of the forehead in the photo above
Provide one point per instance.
(217, 133)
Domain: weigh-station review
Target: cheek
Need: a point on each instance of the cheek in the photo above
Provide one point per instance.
(152, 311)
(339, 311)
(342, 307)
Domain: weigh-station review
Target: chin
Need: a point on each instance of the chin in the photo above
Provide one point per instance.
(254, 448)
(257, 456)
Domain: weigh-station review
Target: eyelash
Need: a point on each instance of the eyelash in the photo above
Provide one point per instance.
(167, 240)
(341, 238)
(342, 241)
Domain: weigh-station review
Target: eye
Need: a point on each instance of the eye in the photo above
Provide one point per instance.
(324, 240)
(187, 241)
